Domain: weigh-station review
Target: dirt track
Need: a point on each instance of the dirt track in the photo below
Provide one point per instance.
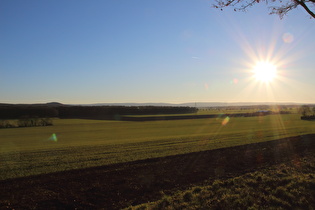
(120, 185)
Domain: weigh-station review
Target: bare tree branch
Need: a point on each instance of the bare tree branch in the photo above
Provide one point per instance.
(287, 5)
(284, 9)
(301, 2)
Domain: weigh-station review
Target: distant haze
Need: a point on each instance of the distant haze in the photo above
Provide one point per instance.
(196, 104)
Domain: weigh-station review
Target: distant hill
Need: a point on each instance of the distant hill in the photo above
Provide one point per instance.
(54, 104)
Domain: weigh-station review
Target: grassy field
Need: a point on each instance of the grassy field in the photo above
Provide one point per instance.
(88, 143)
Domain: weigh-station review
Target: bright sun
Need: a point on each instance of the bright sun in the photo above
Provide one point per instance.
(265, 71)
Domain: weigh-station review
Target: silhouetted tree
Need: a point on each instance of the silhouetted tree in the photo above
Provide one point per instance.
(305, 110)
(284, 5)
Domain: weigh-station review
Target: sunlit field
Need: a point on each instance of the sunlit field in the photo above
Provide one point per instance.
(72, 143)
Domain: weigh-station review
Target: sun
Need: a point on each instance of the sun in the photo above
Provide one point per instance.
(265, 71)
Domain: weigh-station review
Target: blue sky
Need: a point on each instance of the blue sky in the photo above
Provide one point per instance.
(171, 51)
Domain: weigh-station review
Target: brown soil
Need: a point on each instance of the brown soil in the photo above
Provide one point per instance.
(120, 185)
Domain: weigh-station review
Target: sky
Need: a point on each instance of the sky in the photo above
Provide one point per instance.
(171, 51)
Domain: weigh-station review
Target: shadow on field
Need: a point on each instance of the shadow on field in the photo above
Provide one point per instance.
(120, 185)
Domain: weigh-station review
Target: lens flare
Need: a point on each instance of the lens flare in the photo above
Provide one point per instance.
(234, 81)
(206, 86)
(226, 120)
(53, 138)
(287, 38)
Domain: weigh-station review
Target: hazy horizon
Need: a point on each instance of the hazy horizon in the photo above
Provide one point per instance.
(197, 104)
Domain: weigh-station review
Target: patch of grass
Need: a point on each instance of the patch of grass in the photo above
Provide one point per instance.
(89, 143)
(263, 189)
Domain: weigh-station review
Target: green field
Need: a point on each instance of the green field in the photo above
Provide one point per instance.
(88, 143)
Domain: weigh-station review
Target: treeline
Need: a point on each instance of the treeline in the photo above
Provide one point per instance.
(27, 111)
(25, 122)
(86, 112)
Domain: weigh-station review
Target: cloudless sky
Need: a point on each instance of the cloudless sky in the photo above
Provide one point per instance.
(79, 51)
